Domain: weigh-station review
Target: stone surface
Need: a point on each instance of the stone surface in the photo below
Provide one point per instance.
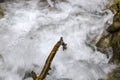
(1, 1)
(112, 39)
(103, 45)
(114, 75)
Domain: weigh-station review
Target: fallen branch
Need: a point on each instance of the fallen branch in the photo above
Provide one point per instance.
(48, 62)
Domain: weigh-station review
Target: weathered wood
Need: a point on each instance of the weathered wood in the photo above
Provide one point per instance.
(48, 62)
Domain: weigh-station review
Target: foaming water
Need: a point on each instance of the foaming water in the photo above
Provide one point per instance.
(30, 29)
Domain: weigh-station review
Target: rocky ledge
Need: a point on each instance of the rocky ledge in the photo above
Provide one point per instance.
(110, 43)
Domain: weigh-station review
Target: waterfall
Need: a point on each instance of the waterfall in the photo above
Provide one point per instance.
(30, 28)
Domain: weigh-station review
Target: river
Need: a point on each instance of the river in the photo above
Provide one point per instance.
(30, 28)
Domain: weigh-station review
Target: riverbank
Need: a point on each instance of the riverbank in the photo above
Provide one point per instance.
(110, 43)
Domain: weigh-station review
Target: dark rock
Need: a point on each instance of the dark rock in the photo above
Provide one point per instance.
(115, 43)
(114, 27)
(27, 75)
(1, 1)
(104, 45)
(1, 12)
(116, 17)
(113, 75)
(113, 38)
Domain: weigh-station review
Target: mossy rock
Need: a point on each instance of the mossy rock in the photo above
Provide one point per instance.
(113, 37)
(115, 43)
(110, 77)
(104, 44)
(115, 8)
(114, 27)
(116, 17)
(114, 75)
(111, 40)
(1, 13)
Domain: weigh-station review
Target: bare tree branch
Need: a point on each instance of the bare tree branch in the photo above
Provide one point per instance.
(48, 62)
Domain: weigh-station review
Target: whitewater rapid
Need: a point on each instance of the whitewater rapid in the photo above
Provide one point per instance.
(30, 28)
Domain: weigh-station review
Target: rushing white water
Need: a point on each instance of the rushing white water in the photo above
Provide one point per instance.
(30, 28)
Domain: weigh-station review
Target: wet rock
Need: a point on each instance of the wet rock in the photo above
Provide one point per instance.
(112, 39)
(103, 45)
(113, 75)
(115, 8)
(1, 1)
(115, 43)
(1, 12)
(116, 17)
(115, 27)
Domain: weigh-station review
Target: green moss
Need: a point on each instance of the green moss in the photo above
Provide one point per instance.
(118, 2)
